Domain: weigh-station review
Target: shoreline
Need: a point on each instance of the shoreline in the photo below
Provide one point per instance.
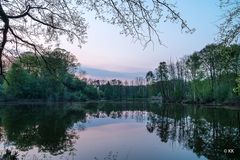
(39, 101)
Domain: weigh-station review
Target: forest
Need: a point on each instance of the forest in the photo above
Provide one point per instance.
(186, 107)
(30, 69)
(206, 76)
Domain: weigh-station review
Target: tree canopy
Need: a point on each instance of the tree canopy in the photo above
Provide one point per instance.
(206, 76)
(29, 23)
(230, 27)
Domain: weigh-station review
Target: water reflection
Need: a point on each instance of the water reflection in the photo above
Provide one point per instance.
(206, 132)
(47, 128)
(54, 129)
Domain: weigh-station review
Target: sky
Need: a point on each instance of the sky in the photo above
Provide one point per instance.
(106, 50)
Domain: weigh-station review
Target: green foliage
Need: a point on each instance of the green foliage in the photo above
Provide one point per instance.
(206, 76)
(91, 92)
(162, 71)
(22, 83)
(203, 77)
(203, 92)
(49, 77)
(150, 77)
(237, 89)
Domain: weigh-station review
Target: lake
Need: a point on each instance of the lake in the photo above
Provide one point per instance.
(119, 131)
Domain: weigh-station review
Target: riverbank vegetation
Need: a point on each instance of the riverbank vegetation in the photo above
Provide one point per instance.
(50, 77)
(210, 75)
(206, 76)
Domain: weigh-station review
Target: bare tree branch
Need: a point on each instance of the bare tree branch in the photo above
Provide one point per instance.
(4, 33)
(229, 29)
(21, 15)
(27, 23)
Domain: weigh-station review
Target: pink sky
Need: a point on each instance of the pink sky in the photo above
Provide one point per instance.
(108, 50)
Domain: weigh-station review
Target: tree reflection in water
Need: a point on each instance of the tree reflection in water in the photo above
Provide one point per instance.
(111, 156)
(205, 131)
(47, 128)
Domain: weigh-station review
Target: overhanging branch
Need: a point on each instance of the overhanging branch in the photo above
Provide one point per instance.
(21, 15)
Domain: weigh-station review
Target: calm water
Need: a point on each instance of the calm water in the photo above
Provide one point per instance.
(119, 131)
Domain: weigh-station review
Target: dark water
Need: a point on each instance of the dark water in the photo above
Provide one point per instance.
(119, 131)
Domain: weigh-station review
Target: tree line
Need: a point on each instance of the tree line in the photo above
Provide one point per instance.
(208, 75)
(50, 77)
(54, 76)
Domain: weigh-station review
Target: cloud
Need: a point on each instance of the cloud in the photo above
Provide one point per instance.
(107, 75)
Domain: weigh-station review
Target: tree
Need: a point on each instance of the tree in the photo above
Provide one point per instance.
(162, 77)
(210, 58)
(230, 27)
(172, 71)
(234, 61)
(181, 79)
(162, 71)
(29, 78)
(193, 63)
(26, 24)
(149, 77)
(21, 83)
(237, 89)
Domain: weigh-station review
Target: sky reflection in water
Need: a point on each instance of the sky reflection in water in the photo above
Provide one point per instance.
(121, 131)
